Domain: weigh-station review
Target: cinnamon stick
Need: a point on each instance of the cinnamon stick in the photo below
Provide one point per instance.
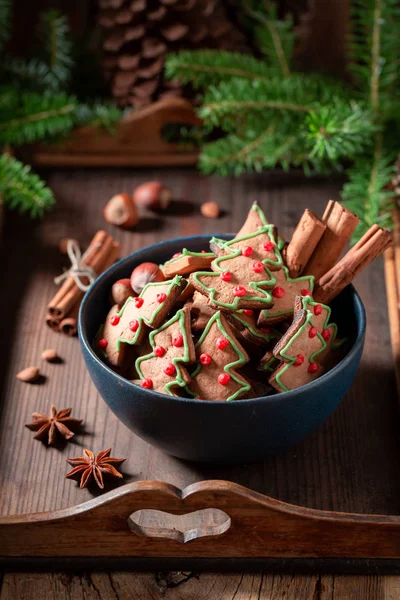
(340, 225)
(69, 293)
(392, 276)
(369, 247)
(305, 238)
(69, 325)
(52, 322)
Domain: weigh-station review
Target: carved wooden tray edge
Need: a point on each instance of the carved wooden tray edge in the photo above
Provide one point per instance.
(271, 528)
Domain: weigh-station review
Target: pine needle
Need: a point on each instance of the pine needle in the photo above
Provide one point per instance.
(22, 189)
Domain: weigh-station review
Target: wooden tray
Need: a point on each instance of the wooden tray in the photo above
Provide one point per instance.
(138, 141)
(334, 498)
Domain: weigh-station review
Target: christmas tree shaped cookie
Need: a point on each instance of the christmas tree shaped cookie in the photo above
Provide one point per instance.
(242, 276)
(127, 326)
(306, 347)
(164, 369)
(284, 294)
(219, 354)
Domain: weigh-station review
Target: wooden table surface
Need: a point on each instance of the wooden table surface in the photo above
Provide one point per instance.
(352, 463)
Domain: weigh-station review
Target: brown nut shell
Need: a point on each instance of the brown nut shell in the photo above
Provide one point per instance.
(121, 291)
(153, 195)
(145, 273)
(210, 210)
(121, 211)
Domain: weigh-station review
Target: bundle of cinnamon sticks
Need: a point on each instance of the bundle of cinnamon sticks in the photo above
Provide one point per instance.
(317, 244)
(62, 310)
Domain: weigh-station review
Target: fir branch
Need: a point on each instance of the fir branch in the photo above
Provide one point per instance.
(38, 116)
(54, 32)
(105, 115)
(234, 155)
(22, 189)
(5, 21)
(375, 47)
(340, 130)
(30, 74)
(367, 194)
(202, 68)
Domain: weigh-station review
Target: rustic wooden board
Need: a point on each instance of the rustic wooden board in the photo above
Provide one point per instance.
(350, 464)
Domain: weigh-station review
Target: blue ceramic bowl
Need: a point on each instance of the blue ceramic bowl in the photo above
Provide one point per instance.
(211, 431)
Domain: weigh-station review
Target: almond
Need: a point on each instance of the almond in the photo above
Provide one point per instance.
(28, 375)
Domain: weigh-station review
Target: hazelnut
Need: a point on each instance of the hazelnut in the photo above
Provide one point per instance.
(50, 355)
(121, 291)
(153, 195)
(210, 210)
(145, 273)
(121, 211)
(62, 246)
(28, 375)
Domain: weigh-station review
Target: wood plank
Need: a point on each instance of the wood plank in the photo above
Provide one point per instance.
(350, 464)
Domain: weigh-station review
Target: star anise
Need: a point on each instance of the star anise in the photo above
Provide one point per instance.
(57, 424)
(90, 465)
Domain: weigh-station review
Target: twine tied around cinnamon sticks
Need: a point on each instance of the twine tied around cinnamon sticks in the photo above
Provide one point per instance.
(62, 310)
(78, 269)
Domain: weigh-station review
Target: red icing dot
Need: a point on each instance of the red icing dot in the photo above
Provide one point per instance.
(239, 291)
(159, 351)
(169, 369)
(177, 254)
(114, 320)
(317, 309)
(305, 292)
(204, 251)
(326, 334)
(313, 332)
(278, 292)
(265, 330)
(161, 297)
(146, 383)
(133, 325)
(299, 360)
(177, 340)
(205, 359)
(313, 367)
(257, 267)
(138, 302)
(247, 251)
(103, 343)
(248, 312)
(224, 378)
(268, 246)
(221, 343)
(226, 276)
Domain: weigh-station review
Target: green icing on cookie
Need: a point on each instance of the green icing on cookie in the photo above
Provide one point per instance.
(231, 255)
(176, 281)
(186, 252)
(229, 368)
(178, 380)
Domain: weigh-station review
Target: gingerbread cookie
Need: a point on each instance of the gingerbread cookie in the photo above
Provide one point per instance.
(284, 293)
(244, 323)
(127, 326)
(185, 262)
(201, 312)
(164, 369)
(306, 348)
(219, 355)
(255, 219)
(241, 277)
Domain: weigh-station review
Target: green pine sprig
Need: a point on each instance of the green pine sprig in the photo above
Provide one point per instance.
(22, 189)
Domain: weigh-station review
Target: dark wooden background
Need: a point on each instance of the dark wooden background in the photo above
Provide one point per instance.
(352, 463)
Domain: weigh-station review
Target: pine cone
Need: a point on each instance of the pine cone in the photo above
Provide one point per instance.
(139, 33)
